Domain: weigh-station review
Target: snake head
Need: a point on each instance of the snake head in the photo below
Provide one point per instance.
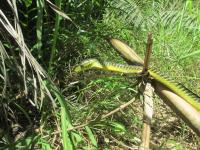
(86, 65)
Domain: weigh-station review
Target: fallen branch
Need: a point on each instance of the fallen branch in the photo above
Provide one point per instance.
(104, 116)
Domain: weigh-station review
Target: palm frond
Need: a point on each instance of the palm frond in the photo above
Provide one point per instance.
(3, 76)
(38, 73)
(149, 14)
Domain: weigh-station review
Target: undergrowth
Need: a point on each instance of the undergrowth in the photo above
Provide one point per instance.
(55, 108)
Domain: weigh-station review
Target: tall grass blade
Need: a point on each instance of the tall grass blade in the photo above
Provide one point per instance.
(55, 36)
(91, 137)
(65, 118)
(40, 7)
(67, 144)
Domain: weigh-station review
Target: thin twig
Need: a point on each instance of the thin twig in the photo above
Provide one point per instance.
(119, 108)
(105, 116)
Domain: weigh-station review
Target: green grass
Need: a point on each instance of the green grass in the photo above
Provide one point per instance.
(69, 99)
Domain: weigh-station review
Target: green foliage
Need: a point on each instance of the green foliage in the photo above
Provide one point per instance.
(44, 144)
(59, 44)
(25, 143)
(40, 8)
(55, 35)
(91, 137)
(64, 117)
(27, 2)
(147, 15)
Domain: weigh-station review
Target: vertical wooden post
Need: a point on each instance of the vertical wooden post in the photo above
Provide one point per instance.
(147, 116)
(148, 99)
(148, 52)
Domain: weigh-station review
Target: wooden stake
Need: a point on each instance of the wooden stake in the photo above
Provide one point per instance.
(148, 52)
(147, 116)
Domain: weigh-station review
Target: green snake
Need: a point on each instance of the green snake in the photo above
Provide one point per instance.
(177, 88)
